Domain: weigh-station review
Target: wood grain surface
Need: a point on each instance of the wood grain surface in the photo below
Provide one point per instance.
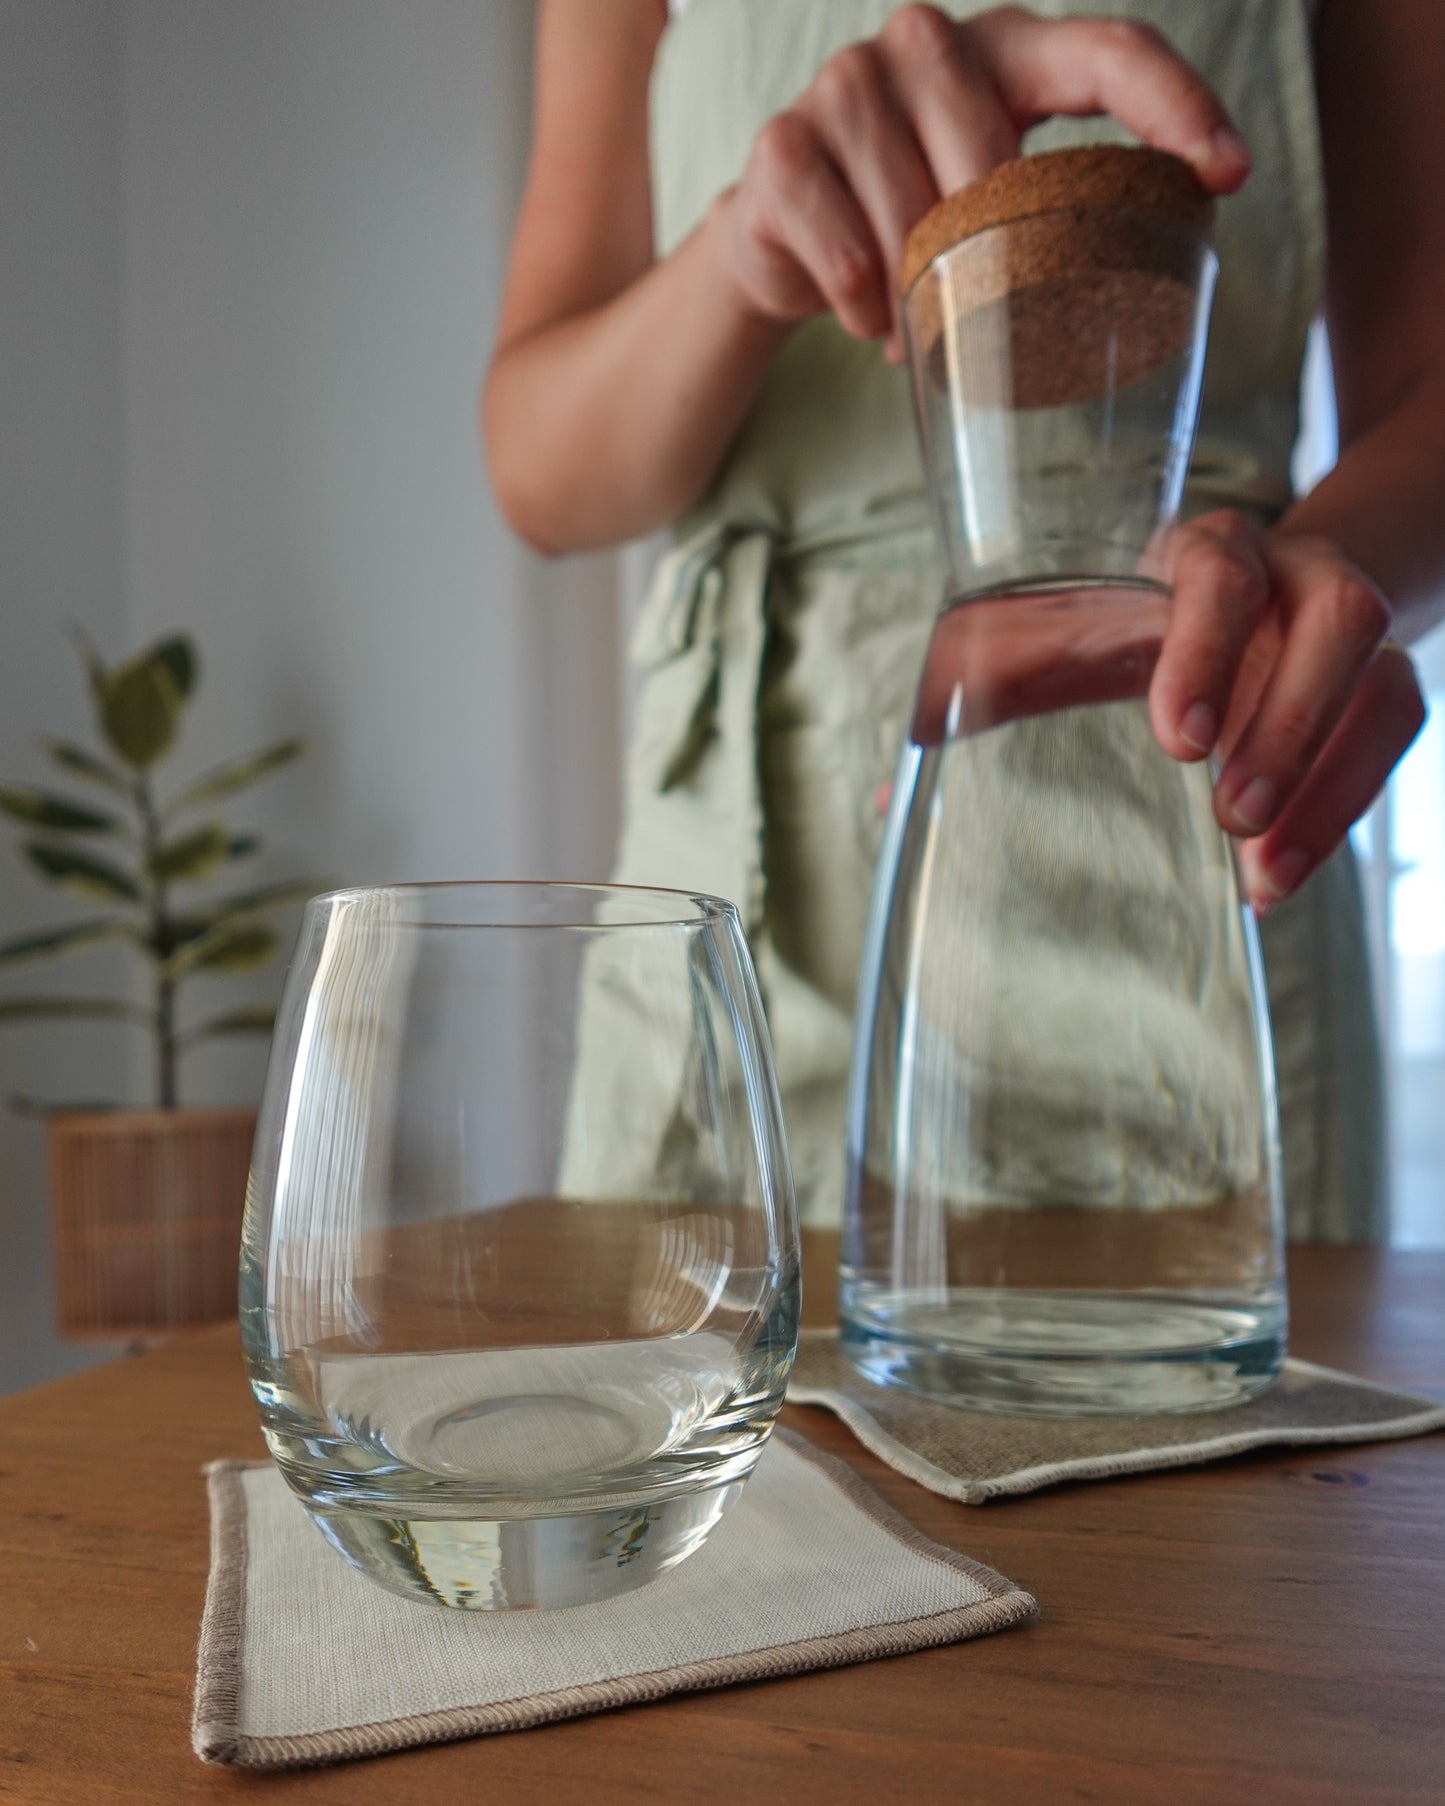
(1266, 1630)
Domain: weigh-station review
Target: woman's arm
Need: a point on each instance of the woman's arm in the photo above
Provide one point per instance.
(1279, 640)
(617, 383)
(1381, 81)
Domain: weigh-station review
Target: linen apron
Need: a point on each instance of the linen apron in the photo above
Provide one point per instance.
(780, 643)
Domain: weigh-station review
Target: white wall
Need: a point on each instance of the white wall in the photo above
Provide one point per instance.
(318, 200)
(60, 540)
(292, 221)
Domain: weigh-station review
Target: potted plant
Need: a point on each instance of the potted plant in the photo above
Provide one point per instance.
(146, 1204)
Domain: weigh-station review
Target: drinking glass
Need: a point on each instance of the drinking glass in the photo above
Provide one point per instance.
(520, 1270)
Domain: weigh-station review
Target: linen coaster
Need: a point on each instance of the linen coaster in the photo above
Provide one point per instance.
(302, 1660)
(974, 1456)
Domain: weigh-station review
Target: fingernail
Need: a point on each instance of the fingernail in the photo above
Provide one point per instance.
(1272, 883)
(1224, 146)
(1228, 143)
(1200, 727)
(1256, 804)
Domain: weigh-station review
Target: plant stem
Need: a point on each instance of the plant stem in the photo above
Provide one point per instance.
(165, 1044)
(160, 940)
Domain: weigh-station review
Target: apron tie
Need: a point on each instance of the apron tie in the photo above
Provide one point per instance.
(703, 635)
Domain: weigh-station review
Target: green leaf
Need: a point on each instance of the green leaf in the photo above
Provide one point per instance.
(43, 811)
(175, 932)
(39, 1009)
(192, 855)
(224, 947)
(140, 711)
(229, 913)
(225, 780)
(63, 940)
(178, 656)
(85, 765)
(82, 873)
(259, 1020)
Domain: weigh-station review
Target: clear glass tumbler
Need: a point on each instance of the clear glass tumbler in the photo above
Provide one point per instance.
(1063, 1150)
(519, 1292)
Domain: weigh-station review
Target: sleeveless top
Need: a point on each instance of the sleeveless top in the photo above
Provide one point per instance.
(781, 641)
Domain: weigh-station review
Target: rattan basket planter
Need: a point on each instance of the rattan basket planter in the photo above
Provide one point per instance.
(146, 1208)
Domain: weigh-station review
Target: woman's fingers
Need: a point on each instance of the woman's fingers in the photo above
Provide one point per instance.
(1084, 66)
(948, 91)
(1215, 567)
(804, 242)
(835, 184)
(1335, 620)
(1383, 716)
(1273, 662)
(854, 108)
(972, 89)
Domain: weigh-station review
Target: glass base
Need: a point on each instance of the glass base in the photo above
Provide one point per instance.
(1062, 1354)
(531, 1563)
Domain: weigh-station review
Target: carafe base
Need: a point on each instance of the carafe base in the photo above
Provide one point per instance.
(1061, 1353)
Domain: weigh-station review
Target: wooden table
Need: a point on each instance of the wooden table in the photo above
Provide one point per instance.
(1267, 1630)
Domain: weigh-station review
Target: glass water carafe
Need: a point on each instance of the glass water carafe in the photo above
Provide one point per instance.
(1063, 1151)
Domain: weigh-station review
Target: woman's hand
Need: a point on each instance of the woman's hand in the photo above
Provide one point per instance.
(1276, 660)
(1270, 655)
(619, 381)
(834, 184)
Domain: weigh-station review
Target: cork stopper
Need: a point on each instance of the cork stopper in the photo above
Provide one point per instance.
(1093, 285)
(1094, 178)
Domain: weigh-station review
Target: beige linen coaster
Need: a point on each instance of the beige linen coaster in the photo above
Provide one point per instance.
(975, 1456)
(303, 1660)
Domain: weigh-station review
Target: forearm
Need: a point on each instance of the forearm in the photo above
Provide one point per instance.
(1384, 505)
(609, 424)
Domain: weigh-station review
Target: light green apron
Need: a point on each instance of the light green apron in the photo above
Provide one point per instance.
(781, 640)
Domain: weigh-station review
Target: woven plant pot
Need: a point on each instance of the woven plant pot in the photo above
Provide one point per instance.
(146, 1208)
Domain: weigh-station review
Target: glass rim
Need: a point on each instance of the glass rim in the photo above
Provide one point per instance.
(675, 908)
(1198, 237)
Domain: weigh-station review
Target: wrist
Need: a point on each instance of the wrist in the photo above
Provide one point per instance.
(749, 320)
